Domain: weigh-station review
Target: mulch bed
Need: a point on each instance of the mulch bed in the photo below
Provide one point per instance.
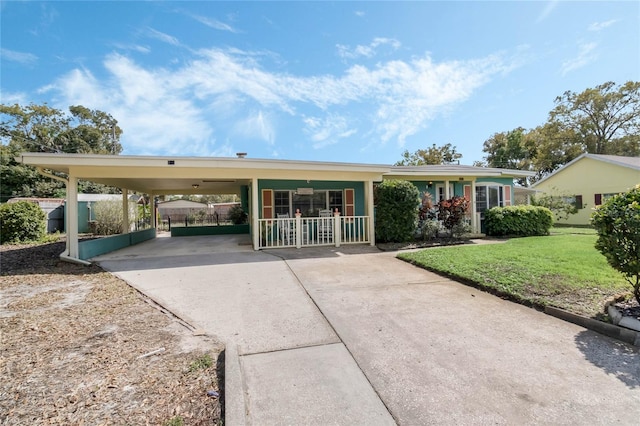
(80, 346)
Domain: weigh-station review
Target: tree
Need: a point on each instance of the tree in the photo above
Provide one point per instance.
(603, 120)
(510, 150)
(606, 119)
(445, 154)
(41, 128)
(617, 222)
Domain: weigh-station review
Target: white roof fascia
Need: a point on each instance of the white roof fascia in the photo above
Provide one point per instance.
(65, 160)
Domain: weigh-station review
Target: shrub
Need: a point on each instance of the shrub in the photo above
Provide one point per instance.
(108, 217)
(518, 221)
(396, 210)
(22, 222)
(617, 223)
(558, 204)
(237, 215)
(452, 212)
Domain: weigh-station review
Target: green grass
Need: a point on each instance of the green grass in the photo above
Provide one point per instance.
(563, 270)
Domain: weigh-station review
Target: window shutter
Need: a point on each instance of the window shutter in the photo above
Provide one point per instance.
(467, 195)
(507, 195)
(579, 204)
(597, 199)
(267, 203)
(349, 202)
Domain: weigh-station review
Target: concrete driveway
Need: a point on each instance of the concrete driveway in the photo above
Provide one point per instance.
(355, 336)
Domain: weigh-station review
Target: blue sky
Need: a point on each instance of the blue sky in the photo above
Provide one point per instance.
(330, 81)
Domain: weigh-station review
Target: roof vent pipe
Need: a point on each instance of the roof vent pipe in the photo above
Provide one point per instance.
(241, 154)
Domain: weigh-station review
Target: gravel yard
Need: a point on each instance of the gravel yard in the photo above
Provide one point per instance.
(80, 346)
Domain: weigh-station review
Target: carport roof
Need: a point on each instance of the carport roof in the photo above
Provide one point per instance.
(194, 175)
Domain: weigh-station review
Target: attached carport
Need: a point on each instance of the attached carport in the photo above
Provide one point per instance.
(189, 175)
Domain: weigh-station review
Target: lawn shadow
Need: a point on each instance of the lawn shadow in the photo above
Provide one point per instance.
(616, 358)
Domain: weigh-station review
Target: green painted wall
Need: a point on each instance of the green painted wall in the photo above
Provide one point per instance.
(92, 248)
(277, 185)
(190, 231)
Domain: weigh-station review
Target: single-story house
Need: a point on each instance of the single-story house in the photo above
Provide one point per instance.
(589, 180)
(289, 203)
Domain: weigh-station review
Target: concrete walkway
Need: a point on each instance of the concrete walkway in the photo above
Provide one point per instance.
(355, 336)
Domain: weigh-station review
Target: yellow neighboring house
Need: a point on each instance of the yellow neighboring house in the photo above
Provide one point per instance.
(589, 180)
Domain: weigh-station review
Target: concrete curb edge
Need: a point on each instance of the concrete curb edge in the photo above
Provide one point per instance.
(620, 333)
(234, 400)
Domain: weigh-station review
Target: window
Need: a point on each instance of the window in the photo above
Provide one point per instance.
(440, 192)
(574, 200)
(309, 204)
(281, 202)
(489, 196)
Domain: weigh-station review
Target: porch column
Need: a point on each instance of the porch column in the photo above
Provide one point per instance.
(255, 229)
(369, 210)
(152, 211)
(447, 195)
(474, 222)
(71, 220)
(125, 211)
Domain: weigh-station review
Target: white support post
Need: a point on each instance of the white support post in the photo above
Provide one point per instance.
(369, 210)
(337, 234)
(447, 194)
(474, 222)
(298, 228)
(72, 218)
(255, 216)
(152, 211)
(125, 211)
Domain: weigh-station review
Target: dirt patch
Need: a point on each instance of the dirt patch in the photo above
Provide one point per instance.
(80, 346)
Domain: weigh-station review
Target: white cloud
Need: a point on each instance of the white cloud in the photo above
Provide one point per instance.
(367, 51)
(11, 98)
(256, 126)
(359, 13)
(165, 38)
(598, 26)
(212, 23)
(585, 56)
(132, 47)
(20, 57)
(549, 7)
(186, 109)
(327, 131)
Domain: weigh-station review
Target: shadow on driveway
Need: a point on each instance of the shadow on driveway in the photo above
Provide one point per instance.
(616, 358)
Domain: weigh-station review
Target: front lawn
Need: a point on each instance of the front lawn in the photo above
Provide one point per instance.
(563, 270)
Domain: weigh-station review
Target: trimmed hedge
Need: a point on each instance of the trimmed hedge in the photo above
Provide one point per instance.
(397, 204)
(518, 221)
(22, 222)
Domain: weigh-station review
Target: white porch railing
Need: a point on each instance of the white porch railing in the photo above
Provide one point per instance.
(313, 231)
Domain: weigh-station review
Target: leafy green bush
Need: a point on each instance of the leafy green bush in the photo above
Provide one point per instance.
(518, 221)
(558, 204)
(237, 215)
(617, 222)
(396, 210)
(22, 222)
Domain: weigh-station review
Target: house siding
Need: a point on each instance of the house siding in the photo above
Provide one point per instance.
(283, 185)
(590, 178)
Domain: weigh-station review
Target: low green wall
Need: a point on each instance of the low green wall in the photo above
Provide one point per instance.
(190, 231)
(91, 248)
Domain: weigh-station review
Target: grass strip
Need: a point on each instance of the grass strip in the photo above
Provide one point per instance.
(563, 270)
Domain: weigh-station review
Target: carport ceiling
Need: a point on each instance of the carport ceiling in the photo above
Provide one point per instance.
(194, 175)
